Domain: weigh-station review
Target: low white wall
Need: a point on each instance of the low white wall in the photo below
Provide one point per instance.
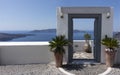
(31, 52)
(78, 45)
(24, 54)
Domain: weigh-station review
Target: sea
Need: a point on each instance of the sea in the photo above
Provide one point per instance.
(43, 36)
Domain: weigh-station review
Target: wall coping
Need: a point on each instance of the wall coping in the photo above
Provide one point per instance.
(30, 43)
(23, 43)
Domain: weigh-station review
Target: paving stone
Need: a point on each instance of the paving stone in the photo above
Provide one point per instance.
(82, 55)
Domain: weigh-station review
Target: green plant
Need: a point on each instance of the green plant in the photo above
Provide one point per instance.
(87, 36)
(57, 44)
(87, 46)
(109, 42)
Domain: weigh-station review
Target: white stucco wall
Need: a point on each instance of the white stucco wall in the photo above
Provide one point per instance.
(62, 23)
(61, 27)
(24, 53)
(107, 29)
(107, 23)
(29, 52)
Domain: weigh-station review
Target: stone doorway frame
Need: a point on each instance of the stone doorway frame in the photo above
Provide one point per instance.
(97, 34)
(106, 27)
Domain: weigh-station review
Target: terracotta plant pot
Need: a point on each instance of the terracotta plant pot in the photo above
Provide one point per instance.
(58, 59)
(110, 56)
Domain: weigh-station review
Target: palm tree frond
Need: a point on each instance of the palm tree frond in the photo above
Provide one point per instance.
(57, 44)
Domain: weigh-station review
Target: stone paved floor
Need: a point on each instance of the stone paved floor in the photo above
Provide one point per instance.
(82, 55)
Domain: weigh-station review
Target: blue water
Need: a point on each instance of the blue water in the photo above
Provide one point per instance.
(37, 37)
(80, 35)
(44, 36)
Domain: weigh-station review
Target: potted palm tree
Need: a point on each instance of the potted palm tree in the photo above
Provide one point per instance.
(87, 46)
(111, 44)
(57, 47)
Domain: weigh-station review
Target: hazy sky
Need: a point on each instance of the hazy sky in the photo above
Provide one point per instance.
(41, 14)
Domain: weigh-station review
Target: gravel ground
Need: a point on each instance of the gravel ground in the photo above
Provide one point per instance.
(115, 70)
(85, 69)
(33, 69)
(91, 69)
(50, 69)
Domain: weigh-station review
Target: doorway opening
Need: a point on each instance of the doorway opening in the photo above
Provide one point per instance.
(81, 28)
(95, 27)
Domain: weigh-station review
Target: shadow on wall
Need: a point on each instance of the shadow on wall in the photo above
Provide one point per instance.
(117, 59)
(0, 56)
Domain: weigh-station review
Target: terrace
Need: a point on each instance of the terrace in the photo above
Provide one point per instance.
(14, 53)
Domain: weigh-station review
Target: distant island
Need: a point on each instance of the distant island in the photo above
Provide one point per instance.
(7, 37)
(52, 30)
(44, 30)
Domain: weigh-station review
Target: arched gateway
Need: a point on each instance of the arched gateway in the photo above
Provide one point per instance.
(103, 25)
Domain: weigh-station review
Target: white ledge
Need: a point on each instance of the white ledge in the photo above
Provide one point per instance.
(65, 72)
(109, 69)
(30, 43)
(23, 43)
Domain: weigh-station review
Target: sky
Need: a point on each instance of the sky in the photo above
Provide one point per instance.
(41, 14)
